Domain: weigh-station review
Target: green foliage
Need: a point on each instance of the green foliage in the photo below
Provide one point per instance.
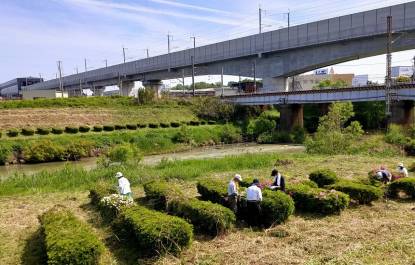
(370, 114)
(260, 126)
(120, 127)
(363, 194)
(175, 124)
(57, 130)
(164, 125)
(212, 190)
(327, 83)
(71, 130)
(141, 125)
(153, 125)
(323, 177)
(99, 190)
(146, 96)
(74, 151)
(406, 185)
(276, 207)
(42, 131)
(332, 137)
(132, 126)
(212, 108)
(67, 240)
(123, 153)
(162, 193)
(5, 153)
(395, 135)
(230, 134)
(12, 133)
(109, 128)
(43, 151)
(403, 79)
(97, 128)
(194, 123)
(298, 135)
(84, 129)
(183, 135)
(27, 132)
(316, 200)
(154, 232)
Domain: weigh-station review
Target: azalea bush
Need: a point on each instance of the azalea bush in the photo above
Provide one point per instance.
(112, 205)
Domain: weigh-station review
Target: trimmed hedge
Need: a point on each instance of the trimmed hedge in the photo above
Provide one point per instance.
(67, 240)
(72, 130)
(99, 191)
(207, 217)
(363, 194)
(194, 123)
(120, 127)
(27, 132)
(406, 185)
(141, 125)
(211, 122)
(84, 129)
(57, 130)
(212, 190)
(175, 124)
(154, 232)
(316, 200)
(153, 125)
(276, 207)
(97, 128)
(42, 131)
(12, 133)
(323, 177)
(132, 126)
(109, 128)
(164, 125)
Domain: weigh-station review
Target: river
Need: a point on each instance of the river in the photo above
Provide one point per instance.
(196, 153)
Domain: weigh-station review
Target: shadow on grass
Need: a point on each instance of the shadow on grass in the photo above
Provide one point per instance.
(34, 252)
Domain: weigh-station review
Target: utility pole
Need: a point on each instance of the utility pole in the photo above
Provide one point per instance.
(221, 81)
(86, 67)
(148, 53)
(40, 75)
(193, 65)
(168, 49)
(106, 63)
(260, 19)
(184, 92)
(388, 79)
(76, 70)
(288, 24)
(60, 75)
(123, 52)
(254, 70)
(413, 71)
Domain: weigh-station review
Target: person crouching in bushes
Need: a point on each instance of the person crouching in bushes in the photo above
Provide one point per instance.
(384, 175)
(253, 200)
(233, 194)
(278, 181)
(402, 171)
(124, 187)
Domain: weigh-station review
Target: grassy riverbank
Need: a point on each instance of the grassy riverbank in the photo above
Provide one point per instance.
(378, 234)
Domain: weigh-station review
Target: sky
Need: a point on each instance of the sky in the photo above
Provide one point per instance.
(34, 35)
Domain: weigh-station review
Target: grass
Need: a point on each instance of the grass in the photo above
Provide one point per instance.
(378, 234)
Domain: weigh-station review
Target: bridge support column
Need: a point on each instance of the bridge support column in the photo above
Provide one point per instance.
(291, 116)
(155, 86)
(126, 88)
(402, 113)
(323, 108)
(271, 84)
(99, 91)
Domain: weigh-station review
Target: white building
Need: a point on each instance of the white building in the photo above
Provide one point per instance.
(360, 80)
(402, 71)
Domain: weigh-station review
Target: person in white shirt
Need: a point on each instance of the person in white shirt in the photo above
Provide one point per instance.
(254, 198)
(233, 192)
(124, 185)
(403, 172)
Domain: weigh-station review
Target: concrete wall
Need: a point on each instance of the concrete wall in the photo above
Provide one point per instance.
(33, 94)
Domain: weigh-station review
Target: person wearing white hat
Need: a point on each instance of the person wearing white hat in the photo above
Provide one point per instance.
(233, 192)
(403, 172)
(123, 185)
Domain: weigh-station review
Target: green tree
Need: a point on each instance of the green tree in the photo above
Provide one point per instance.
(403, 79)
(327, 83)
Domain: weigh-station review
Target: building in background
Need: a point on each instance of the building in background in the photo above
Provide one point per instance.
(360, 80)
(309, 82)
(398, 71)
(43, 93)
(13, 88)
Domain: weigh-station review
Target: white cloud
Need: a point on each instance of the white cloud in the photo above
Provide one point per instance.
(194, 7)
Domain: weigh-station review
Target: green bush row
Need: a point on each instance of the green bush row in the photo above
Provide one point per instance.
(212, 190)
(363, 194)
(99, 191)
(154, 232)
(67, 240)
(206, 217)
(406, 185)
(323, 177)
(316, 200)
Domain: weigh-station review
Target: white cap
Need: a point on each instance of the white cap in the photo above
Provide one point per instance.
(118, 175)
(400, 165)
(237, 176)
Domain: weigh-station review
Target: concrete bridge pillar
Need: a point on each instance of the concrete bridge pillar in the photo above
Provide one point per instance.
(271, 84)
(291, 116)
(126, 87)
(323, 108)
(402, 112)
(154, 85)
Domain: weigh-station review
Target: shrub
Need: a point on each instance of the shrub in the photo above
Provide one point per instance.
(276, 207)
(318, 200)
(72, 130)
(111, 206)
(164, 125)
(323, 177)
(99, 191)
(230, 134)
(183, 135)
(121, 153)
(395, 135)
(406, 185)
(0, 134)
(5, 153)
(212, 190)
(363, 194)
(260, 126)
(298, 135)
(153, 125)
(42, 131)
(97, 128)
(120, 127)
(211, 122)
(203, 123)
(108, 128)
(57, 130)
(175, 124)
(154, 232)
(84, 129)
(162, 193)
(194, 123)
(142, 125)
(43, 151)
(75, 150)
(12, 133)
(27, 132)
(132, 126)
(67, 240)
